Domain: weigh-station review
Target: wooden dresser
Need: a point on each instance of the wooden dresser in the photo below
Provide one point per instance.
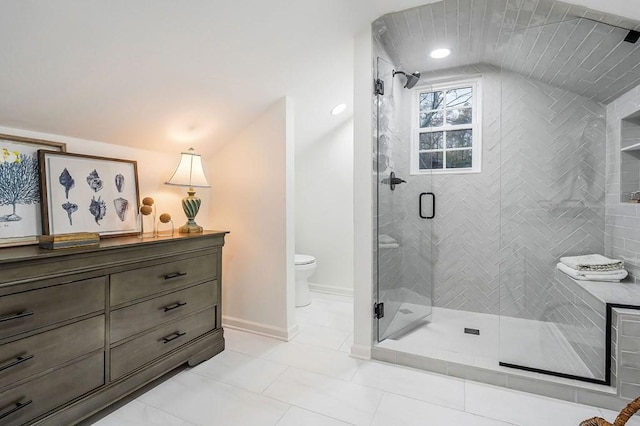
(81, 328)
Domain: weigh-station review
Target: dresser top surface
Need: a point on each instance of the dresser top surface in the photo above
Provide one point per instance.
(20, 253)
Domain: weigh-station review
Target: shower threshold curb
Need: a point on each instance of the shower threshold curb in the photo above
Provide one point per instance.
(565, 389)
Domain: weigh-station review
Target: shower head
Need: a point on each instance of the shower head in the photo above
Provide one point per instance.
(412, 79)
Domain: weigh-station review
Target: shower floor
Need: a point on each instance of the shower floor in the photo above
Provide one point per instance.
(528, 343)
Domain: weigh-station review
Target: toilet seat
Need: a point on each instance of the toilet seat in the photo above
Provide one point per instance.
(303, 259)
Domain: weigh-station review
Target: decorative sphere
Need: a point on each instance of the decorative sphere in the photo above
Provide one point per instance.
(165, 218)
(146, 210)
(147, 201)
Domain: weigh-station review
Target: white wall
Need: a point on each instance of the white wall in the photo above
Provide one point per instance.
(324, 208)
(252, 197)
(363, 197)
(154, 168)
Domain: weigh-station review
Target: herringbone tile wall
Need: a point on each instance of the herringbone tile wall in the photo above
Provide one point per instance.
(622, 230)
(580, 317)
(466, 229)
(498, 234)
(552, 188)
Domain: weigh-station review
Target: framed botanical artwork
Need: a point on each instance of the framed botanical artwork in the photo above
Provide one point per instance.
(20, 200)
(84, 193)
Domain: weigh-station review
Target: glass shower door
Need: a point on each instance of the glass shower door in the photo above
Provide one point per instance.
(405, 208)
(552, 175)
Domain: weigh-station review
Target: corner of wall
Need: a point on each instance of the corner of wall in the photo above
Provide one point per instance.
(251, 179)
(292, 325)
(362, 191)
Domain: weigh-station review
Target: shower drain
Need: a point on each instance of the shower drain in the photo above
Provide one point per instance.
(405, 311)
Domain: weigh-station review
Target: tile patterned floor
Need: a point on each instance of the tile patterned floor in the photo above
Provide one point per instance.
(312, 381)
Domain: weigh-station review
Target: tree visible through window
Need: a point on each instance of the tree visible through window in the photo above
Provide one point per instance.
(447, 137)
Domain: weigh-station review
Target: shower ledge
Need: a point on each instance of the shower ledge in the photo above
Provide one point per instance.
(608, 292)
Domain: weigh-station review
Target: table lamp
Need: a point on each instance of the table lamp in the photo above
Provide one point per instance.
(190, 173)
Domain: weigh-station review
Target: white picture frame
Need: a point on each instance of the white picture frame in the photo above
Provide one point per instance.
(20, 197)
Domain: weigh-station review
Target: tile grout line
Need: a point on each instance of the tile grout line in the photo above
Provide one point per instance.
(375, 412)
(349, 336)
(403, 368)
(228, 384)
(306, 408)
(283, 414)
(275, 380)
(188, 423)
(161, 409)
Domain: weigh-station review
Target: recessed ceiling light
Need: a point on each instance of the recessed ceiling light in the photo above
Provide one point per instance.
(440, 53)
(338, 109)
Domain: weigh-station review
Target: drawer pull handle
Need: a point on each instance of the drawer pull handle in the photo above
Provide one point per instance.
(16, 316)
(18, 360)
(174, 275)
(15, 407)
(173, 336)
(174, 306)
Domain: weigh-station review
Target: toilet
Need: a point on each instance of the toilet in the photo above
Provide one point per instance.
(305, 267)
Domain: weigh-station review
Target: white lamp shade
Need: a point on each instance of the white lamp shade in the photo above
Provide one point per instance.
(189, 171)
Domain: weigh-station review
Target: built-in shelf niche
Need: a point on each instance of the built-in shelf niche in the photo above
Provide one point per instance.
(630, 156)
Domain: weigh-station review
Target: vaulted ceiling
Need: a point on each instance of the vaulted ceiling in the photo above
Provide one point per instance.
(165, 74)
(560, 44)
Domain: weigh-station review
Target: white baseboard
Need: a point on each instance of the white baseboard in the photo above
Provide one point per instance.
(260, 328)
(331, 289)
(360, 352)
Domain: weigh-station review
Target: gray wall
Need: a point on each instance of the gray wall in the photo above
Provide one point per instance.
(580, 317)
(466, 229)
(498, 234)
(626, 353)
(552, 188)
(629, 160)
(405, 272)
(540, 196)
(622, 231)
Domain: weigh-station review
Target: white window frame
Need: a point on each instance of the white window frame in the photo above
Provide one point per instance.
(476, 126)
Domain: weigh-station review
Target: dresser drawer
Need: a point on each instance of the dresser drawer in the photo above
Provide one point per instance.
(32, 399)
(130, 285)
(32, 355)
(33, 309)
(136, 318)
(131, 355)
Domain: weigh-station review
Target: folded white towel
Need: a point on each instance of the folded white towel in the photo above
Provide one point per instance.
(611, 276)
(592, 262)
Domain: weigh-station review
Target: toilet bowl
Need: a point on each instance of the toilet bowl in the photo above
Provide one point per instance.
(305, 267)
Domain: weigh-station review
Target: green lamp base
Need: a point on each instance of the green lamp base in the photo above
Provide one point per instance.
(190, 229)
(191, 205)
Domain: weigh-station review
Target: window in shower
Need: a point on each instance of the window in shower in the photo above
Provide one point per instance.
(446, 128)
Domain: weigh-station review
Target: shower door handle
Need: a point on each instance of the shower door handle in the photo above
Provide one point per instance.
(433, 205)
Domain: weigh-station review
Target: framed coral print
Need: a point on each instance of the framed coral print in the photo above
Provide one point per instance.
(83, 193)
(20, 200)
